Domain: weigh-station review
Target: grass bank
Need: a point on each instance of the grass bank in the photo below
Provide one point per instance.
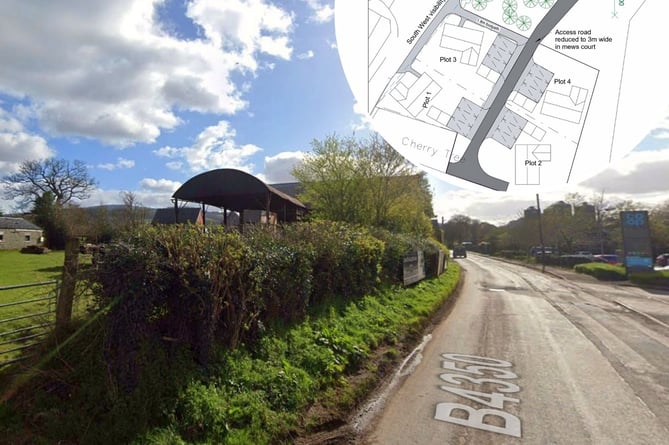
(294, 380)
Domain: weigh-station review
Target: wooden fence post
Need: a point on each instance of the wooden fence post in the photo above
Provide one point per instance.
(68, 284)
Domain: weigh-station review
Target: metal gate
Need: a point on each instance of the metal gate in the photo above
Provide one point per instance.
(20, 333)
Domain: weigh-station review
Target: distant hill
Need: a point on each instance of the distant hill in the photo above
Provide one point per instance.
(213, 217)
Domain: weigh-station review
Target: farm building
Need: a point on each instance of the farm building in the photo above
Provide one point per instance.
(17, 233)
(240, 194)
(186, 215)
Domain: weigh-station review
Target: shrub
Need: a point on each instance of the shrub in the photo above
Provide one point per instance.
(35, 249)
(183, 286)
(602, 271)
(397, 245)
(347, 259)
(281, 273)
(656, 278)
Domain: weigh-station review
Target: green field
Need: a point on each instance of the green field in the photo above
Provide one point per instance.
(18, 268)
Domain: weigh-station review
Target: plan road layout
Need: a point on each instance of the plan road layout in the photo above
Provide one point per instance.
(531, 358)
(523, 95)
(469, 167)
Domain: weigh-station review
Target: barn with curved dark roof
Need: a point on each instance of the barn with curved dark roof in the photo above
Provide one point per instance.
(235, 190)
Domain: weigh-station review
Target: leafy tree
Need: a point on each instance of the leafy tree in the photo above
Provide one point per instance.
(49, 216)
(64, 180)
(659, 225)
(365, 182)
(458, 229)
(102, 228)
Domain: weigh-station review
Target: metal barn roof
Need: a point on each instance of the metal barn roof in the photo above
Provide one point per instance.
(236, 190)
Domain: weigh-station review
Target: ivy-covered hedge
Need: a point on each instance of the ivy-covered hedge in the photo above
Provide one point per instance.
(396, 248)
(175, 286)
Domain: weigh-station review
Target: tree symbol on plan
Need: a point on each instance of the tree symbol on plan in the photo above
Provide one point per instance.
(524, 23)
(510, 16)
(479, 5)
(509, 4)
(530, 3)
(546, 3)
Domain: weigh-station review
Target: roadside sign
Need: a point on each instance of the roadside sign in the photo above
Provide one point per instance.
(414, 267)
(638, 250)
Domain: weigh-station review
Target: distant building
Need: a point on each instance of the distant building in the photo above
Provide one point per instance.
(585, 210)
(193, 215)
(559, 208)
(186, 215)
(530, 212)
(17, 233)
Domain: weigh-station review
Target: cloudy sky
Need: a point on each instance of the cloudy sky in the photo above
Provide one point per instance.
(149, 93)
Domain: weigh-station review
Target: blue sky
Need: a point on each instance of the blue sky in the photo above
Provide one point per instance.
(150, 93)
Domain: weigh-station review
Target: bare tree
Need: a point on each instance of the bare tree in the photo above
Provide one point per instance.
(133, 213)
(63, 179)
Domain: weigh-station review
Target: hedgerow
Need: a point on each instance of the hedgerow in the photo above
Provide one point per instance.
(186, 286)
(212, 336)
(659, 278)
(602, 271)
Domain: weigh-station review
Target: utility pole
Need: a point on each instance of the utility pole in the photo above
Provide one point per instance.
(541, 237)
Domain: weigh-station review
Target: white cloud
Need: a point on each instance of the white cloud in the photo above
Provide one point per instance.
(120, 163)
(125, 163)
(18, 145)
(244, 26)
(109, 71)
(146, 197)
(213, 148)
(278, 167)
(174, 165)
(159, 185)
(322, 11)
(305, 55)
(641, 172)
(660, 133)
(364, 121)
(152, 192)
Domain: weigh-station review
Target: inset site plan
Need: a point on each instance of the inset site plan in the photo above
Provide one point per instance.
(507, 94)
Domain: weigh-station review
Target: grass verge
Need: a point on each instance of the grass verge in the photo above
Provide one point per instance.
(296, 380)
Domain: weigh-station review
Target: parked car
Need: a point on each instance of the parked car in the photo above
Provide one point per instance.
(609, 258)
(572, 260)
(536, 251)
(662, 260)
(459, 252)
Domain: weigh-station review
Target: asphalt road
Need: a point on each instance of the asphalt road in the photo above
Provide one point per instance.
(531, 358)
